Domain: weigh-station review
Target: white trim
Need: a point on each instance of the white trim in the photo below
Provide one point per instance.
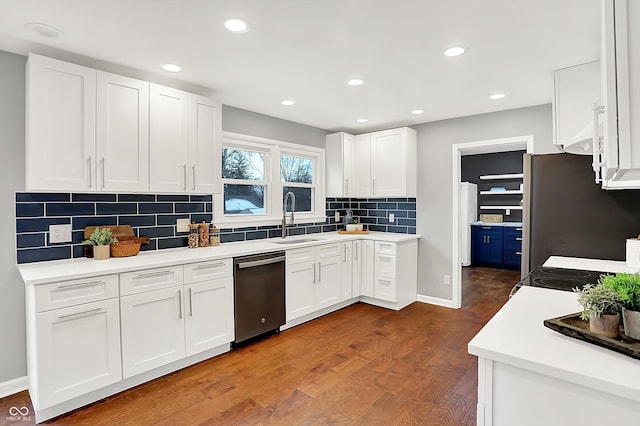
(13, 386)
(435, 301)
(471, 148)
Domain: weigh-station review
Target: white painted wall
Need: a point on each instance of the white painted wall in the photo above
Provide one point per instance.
(434, 201)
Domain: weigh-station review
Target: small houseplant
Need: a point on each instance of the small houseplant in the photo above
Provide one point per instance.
(353, 226)
(601, 305)
(101, 240)
(628, 288)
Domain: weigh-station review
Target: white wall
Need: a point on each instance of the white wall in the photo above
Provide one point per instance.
(13, 362)
(434, 201)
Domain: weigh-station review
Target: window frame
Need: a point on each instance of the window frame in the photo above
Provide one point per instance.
(273, 184)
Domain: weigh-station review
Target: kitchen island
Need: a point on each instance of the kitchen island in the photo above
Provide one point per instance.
(531, 375)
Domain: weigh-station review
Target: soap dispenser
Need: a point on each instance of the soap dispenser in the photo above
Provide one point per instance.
(348, 218)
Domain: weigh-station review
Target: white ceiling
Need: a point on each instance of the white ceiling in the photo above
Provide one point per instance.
(306, 50)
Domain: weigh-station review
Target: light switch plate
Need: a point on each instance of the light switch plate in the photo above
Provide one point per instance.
(182, 225)
(392, 217)
(59, 233)
(337, 216)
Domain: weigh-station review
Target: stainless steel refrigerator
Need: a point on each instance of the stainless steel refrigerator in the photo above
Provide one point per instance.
(567, 214)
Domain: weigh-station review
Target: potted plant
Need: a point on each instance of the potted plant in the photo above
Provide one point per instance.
(101, 240)
(628, 288)
(601, 305)
(353, 226)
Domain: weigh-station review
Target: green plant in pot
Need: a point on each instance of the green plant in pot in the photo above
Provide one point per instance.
(601, 305)
(101, 240)
(628, 288)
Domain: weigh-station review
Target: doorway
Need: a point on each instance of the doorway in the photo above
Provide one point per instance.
(517, 143)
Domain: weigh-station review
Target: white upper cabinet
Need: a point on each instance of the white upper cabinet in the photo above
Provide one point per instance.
(617, 160)
(576, 90)
(393, 163)
(339, 154)
(60, 126)
(362, 166)
(122, 149)
(184, 147)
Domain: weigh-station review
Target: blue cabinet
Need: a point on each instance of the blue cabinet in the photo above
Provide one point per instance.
(512, 246)
(486, 244)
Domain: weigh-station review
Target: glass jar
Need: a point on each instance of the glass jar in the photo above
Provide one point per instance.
(214, 236)
(193, 235)
(203, 229)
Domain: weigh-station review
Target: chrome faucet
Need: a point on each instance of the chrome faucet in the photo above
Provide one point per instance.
(284, 211)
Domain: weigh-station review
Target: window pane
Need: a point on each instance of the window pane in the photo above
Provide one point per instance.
(304, 198)
(296, 169)
(243, 199)
(239, 164)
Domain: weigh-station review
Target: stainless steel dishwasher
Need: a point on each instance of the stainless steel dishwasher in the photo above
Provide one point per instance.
(258, 293)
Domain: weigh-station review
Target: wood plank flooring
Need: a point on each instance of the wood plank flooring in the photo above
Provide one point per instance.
(362, 365)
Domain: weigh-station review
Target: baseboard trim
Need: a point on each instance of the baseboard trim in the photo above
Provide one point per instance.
(435, 301)
(13, 386)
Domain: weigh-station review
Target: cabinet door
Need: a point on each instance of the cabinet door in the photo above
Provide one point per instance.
(122, 150)
(60, 126)
(78, 350)
(152, 326)
(356, 276)
(388, 164)
(168, 139)
(204, 145)
(208, 315)
(368, 267)
(478, 250)
(608, 94)
(362, 166)
(339, 165)
(300, 286)
(385, 289)
(494, 246)
(328, 284)
(346, 268)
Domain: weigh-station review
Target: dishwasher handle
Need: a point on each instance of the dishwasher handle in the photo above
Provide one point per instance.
(261, 262)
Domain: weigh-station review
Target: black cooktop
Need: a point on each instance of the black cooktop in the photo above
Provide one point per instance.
(560, 278)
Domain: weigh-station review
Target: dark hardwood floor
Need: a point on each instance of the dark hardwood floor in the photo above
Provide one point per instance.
(362, 365)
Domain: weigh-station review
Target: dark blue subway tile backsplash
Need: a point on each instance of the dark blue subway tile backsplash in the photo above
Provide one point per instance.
(155, 216)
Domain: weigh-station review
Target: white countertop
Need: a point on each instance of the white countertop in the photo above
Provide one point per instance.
(517, 336)
(506, 224)
(599, 265)
(57, 270)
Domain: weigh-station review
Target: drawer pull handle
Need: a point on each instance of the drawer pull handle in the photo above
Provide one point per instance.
(190, 303)
(384, 282)
(209, 266)
(519, 253)
(384, 245)
(180, 304)
(518, 238)
(518, 229)
(82, 284)
(385, 258)
(151, 274)
(77, 314)
(319, 272)
(486, 227)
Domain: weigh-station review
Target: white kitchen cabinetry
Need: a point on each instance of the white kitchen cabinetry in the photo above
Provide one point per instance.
(367, 267)
(362, 166)
(184, 142)
(339, 154)
(60, 125)
(576, 89)
(73, 335)
(617, 157)
(122, 146)
(347, 268)
(393, 163)
(313, 279)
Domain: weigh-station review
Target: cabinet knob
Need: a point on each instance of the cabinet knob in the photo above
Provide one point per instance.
(262, 320)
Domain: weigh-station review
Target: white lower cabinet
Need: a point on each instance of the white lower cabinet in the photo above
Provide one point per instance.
(152, 329)
(367, 268)
(313, 279)
(347, 268)
(78, 351)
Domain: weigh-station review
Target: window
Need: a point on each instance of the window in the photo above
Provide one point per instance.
(258, 172)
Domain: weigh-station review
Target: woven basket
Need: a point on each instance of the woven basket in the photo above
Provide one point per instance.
(125, 248)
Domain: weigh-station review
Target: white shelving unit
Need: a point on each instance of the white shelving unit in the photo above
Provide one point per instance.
(509, 191)
(507, 209)
(507, 176)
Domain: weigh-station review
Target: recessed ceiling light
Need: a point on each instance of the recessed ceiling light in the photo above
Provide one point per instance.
(355, 82)
(454, 51)
(288, 102)
(44, 29)
(171, 67)
(236, 25)
(497, 96)
(362, 120)
(417, 111)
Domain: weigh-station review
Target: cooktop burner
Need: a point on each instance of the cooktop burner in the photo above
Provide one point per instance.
(559, 278)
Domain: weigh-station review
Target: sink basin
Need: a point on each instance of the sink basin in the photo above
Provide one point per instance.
(296, 240)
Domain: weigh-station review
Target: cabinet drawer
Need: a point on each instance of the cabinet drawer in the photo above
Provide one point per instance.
(203, 271)
(512, 232)
(306, 254)
(69, 293)
(328, 250)
(385, 248)
(385, 289)
(150, 279)
(385, 266)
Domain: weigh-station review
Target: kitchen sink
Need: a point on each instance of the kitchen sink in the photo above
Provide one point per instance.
(296, 240)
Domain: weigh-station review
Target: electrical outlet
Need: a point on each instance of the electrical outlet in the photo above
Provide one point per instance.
(392, 217)
(337, 216)
(59, 233)
(447, 280)
(182, 225)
